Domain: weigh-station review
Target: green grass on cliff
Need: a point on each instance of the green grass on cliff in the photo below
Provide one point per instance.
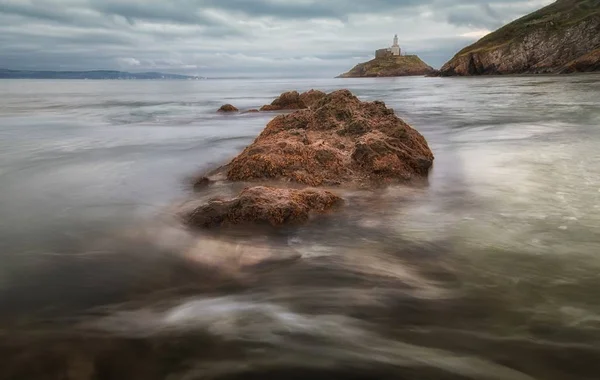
(377, 66)
(555, 17)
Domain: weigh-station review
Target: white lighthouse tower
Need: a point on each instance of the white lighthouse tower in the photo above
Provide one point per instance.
(395, 49)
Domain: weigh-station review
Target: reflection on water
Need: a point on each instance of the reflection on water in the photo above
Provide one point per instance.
(489, 272)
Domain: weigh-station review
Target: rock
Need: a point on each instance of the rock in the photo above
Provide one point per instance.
(587, 63)
(263, 205)
(560, 38)
(339, 140)
(201, 183)
(310, 98)
(228, 108)
(390, 66)
(287, 101)
(292, 100)
(253, 110)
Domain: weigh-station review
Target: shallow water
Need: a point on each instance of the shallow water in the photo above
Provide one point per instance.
(489, 272)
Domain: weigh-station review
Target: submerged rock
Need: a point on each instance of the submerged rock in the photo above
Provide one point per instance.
(293, 100)
(253, 110)
(338, 140)
(227, 108)
(263, 205)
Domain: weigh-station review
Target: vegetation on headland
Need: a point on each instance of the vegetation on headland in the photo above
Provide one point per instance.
(391, 66)
(545, 41)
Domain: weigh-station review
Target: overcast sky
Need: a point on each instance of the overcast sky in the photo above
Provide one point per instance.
(319, 38)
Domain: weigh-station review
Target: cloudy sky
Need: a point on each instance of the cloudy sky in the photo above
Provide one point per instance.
(239, 37)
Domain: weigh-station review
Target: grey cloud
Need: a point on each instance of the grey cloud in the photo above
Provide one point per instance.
(208, 37)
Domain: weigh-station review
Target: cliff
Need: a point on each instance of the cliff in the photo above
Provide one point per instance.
(563, 37)
(392, 66)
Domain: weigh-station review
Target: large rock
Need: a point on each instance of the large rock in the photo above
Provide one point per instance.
(226, 108)
(560, 38)
(293, 100)
(391, 66)
(263, 205)
(339, 140)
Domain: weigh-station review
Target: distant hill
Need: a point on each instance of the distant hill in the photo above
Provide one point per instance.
(390, 66)
(95, 74)
(560, 38)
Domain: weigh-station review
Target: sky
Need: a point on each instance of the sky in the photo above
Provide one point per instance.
(240, 38)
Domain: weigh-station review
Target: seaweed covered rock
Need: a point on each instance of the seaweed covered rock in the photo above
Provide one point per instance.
(340, 139)
(263, 205)
(293, 100)
(225, 108)
(311, 98)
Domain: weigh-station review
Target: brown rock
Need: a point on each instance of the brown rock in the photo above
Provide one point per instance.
(201, 183)
(253, 110)
(310, 98)
(228, 108)
(292, 100)
(287, 101)
(263, 205)
(339, 140)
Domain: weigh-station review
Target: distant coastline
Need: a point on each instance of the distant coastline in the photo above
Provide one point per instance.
(92, 75)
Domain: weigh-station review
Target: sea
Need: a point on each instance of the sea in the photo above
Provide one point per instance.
(491, 270)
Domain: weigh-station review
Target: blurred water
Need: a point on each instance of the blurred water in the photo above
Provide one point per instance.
(489, 272)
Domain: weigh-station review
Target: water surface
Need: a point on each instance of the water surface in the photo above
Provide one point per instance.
(489, 272)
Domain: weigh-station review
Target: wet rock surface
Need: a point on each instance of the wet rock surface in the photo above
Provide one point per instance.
(293, 100)
(331, 140)
(264, 205)
(339, 140)
(225, 108)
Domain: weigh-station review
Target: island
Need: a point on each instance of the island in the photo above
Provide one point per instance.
(563, 37)
(390, 62)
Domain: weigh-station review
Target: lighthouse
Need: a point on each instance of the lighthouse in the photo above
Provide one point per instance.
(395, 49)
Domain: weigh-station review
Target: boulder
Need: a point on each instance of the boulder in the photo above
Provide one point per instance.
(292, 100)
(263, 205)
(253, 110)
(227, 108)
(287, 101)
(339, 140)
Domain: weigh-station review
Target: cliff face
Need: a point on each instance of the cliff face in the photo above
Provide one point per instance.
(563, 37)
(393, 66)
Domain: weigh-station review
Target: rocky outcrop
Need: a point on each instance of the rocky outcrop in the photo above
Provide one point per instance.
(390, 66)
(293, 100)
(226, 108)
(339, 140)
(263, 205)
(561, 38)
(587, 63)
(253, 110)
(334, 139)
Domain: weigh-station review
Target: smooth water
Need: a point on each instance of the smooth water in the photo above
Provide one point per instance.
(489, 272)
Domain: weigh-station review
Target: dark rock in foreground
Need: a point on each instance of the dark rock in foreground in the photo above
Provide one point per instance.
(264, 205)
(228, 108)
(339, 140)
(391, 66)
(563, 37)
